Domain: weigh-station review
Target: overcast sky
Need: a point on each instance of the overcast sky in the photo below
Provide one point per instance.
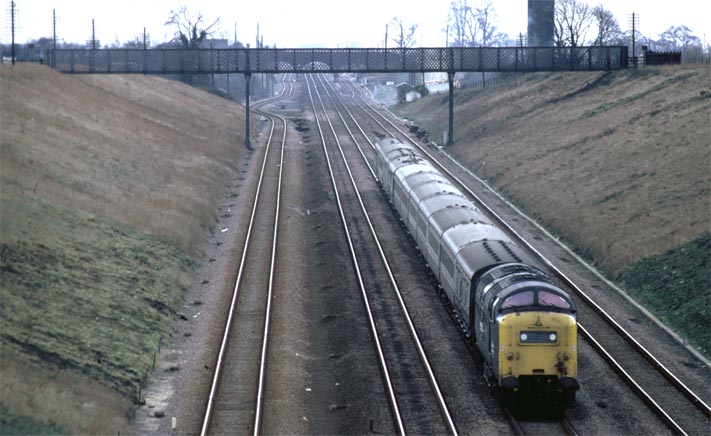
(297, 23)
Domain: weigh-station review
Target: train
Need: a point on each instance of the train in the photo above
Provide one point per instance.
(523, 324)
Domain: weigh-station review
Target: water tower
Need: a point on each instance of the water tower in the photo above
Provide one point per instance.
(540, 23)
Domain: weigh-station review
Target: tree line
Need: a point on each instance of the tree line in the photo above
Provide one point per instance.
(473, 23)
(470, 23)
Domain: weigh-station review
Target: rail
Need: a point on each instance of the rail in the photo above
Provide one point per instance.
(434, 384)
(646, 354)
(242, 272)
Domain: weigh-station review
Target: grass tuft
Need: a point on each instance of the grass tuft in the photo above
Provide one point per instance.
(676, 286)
(95, 298)
(20, 425)
(631, 98)
(109, 186)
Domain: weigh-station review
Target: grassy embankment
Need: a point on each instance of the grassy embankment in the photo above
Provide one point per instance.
(616, 163)
(109, 186)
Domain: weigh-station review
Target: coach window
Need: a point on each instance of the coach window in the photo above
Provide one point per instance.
(448, 263)
(398, 189)
(422, 223)
(433, 238)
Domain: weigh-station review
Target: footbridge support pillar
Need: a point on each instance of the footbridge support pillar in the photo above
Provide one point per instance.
(450, 134)
(247, 142)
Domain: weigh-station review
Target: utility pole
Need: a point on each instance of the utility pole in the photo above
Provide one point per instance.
(261, 45)
(247, 77)
(12, 29)
(450, 132)
(54, 29)
(93, 45)
(386, 37)
(145, 39)
(634, 21)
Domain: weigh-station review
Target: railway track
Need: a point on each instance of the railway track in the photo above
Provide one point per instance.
(561, 426)
(522, 427)
(415, 399)
(416, 402)
(682, 410)
(234, 405)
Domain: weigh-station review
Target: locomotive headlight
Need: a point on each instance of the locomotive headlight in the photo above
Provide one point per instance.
(524, 337)
(552, 337)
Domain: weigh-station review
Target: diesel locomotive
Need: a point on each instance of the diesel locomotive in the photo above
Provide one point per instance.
(523, 324)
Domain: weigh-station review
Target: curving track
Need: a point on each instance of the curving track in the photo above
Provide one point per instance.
(242, 356)
(677, 405)
(410, 386)
(416, 375)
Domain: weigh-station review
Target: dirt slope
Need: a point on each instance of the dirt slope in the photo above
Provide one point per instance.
(618, 163)
(108, 190)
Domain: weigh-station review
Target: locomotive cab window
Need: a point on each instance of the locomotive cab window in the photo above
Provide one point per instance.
(546, 298)
(518, 300)
(534, 299)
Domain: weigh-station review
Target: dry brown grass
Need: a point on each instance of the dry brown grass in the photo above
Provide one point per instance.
(145, 151)
(618, 163)
(62, 398)
(106, 182)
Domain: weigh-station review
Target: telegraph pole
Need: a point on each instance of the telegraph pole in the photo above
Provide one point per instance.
(247, 77)
(54, 29)
(634, 21)
(12, 29)
(450, 134)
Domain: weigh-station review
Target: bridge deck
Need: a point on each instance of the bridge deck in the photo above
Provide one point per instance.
(339, 60)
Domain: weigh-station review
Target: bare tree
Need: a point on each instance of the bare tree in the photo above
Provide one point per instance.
(191, 29)
(462, 23)
(678, 37)
(485, 17)
(608, 29)
(573, 19)
(405, 33)
(474, 26)
(681, 38)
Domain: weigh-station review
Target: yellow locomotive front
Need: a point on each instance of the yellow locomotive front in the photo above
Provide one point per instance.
(537, 357)
(527, 332)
